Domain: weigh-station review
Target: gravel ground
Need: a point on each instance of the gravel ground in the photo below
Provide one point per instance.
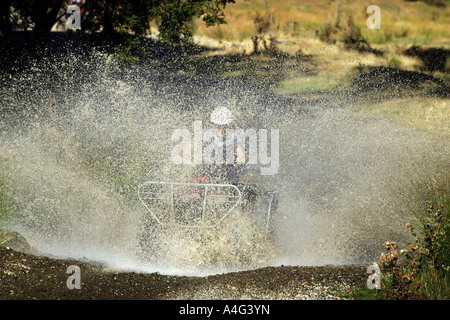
(29, 277)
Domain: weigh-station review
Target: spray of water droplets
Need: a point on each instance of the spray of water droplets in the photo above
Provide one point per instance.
(78, 134)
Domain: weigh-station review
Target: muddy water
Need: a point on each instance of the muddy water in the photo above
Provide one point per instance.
(78, 135)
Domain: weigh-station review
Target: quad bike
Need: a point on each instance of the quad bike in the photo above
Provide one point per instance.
(206, 203)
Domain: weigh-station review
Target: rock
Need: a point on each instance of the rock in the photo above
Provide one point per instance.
(14, 240)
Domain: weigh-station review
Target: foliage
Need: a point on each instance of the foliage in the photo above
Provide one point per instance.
(127, 48)
(394, 61)
(125, 53)
(173, 17)
(348, 33)
(41, 15)
(425, 272)
(433, 227)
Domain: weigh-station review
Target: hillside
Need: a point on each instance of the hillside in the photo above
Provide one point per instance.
(403, 22)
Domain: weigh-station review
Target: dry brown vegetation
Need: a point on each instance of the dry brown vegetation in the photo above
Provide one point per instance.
(401, 21)
(331, 38)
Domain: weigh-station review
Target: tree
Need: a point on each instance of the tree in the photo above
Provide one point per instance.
(42, 14)
(5, 25)
(173, 17)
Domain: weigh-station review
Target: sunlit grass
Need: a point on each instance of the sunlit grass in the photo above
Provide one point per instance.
(428, 114)
(321, 83)
(401, 21)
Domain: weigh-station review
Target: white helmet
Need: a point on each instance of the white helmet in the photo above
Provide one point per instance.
(221, 116)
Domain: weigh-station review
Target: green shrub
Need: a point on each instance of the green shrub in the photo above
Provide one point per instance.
(395, 62)
(129, 48)
(433, 225)
(425, 273)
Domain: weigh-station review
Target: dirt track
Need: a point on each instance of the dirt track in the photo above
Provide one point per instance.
(28, 277)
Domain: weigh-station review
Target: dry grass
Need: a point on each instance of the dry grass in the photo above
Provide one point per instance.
(428, 114)
(322, 83)
(298, 25)
(401, 21)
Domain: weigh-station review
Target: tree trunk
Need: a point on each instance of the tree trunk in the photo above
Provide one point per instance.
(5, 23)
(44, 14)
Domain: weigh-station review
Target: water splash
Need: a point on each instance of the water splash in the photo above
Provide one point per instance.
(78, 134)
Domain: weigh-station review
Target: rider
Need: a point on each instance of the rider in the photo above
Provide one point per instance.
(226, 172)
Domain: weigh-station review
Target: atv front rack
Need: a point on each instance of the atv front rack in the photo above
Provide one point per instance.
(197, 205)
